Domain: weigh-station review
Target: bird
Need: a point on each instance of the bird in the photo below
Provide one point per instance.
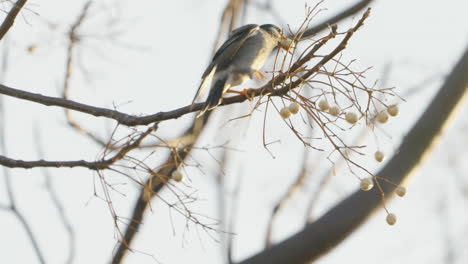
(239, 59)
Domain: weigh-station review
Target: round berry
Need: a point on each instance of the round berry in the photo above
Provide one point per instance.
(334, 110)
(367, 184)
(391, 219)
(382, 117)
(393, 110)
(294, 108)
(177, 176)
(285, 112)
(351, 118)
(323, 105)
(400, 191)
(379, 156)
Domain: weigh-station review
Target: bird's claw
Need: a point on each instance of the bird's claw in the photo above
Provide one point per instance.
(244, 92)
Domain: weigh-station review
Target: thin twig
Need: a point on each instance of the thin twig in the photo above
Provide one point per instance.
(356, 8)
(315, 239)
(12, 207)
(298, 182)
(93, 165)
(167, 168)
(57, 203)
(132, 120)
(73, 39)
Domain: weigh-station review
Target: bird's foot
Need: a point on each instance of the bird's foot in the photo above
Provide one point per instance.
(259, 76)
(244, 92)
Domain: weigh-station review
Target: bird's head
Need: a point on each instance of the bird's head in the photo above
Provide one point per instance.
(277, 33)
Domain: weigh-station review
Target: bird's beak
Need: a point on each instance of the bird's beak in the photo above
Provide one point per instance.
(287, 44)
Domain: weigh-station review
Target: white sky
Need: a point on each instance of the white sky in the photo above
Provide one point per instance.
(156, 65)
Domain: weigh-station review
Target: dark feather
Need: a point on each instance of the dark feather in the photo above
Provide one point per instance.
(237, 37)
(215, 97)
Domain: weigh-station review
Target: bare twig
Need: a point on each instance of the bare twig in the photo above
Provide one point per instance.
(155, 185)
(356, 8)
(169, 165)
(93, 165)
(58, 204)
(73, 39)
(12, 207)
(298, 182)
(131, 120)
(316, 239)
(326, 176)
(17, 213)
(10, 18)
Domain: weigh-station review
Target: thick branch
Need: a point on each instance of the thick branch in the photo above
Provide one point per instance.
(132, 120)
(323, 235)
(10, 18)
(69, 104)
(13, 163)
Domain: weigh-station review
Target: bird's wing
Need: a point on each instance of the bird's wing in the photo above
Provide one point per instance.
(236, 39)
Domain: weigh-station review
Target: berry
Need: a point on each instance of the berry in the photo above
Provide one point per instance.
(285, 112)
(294, 108)
(323, 105)
(351, 118)
(367, 184)
(391, 219)
(393, 110)
(334, 110)
(379, 156)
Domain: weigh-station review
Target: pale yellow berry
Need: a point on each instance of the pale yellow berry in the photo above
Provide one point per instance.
(366, 184)
(391, 219)
(351, 117)
(323, 105)
(400, 191)
(177, 176)
(382, 117)
(379, 156)
(285, 112)
(393, 110)
(294, 108)
(334, 110)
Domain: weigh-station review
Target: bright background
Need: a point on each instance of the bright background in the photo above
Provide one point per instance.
(155, 63)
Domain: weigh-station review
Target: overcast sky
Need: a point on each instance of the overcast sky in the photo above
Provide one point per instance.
(155, 64)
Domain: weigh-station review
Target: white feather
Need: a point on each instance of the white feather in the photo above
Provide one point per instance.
(205, 83)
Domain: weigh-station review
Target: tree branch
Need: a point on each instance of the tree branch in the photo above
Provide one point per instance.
(323, 235)
(333, 20)
(292, 189)
(92, 165)
(132, 120)
(167, 168)
(10, 18)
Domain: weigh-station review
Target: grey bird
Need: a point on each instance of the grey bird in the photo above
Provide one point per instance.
(238, 60)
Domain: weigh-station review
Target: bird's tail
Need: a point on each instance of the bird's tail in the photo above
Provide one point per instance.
(215, 96)
(206, 82)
